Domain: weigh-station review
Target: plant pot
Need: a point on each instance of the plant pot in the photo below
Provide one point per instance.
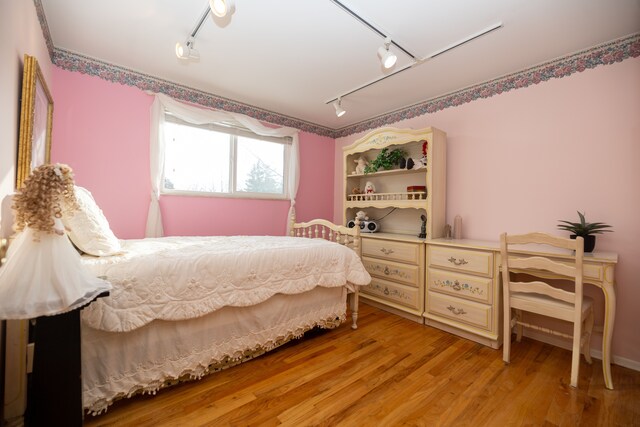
(589, 242)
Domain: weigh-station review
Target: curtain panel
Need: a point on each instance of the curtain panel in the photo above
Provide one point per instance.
(200, 116)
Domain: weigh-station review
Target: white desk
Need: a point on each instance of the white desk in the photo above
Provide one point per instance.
(599, 270)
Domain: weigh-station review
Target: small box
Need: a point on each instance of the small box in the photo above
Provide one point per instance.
(416, 188)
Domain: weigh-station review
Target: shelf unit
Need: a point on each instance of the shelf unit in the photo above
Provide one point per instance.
(395, 257)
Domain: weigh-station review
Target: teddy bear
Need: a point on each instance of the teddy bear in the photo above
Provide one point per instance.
(362, 216)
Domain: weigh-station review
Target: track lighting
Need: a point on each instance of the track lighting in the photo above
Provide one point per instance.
(221, 8)
(186, 50)
(339, 110)
(387, 57)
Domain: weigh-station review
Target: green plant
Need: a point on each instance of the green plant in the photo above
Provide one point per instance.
(583, 228)
(385, 160)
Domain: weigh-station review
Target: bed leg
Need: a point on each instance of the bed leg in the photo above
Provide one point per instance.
(354, 309)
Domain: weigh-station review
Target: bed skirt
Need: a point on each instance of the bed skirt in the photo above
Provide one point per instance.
(117, 365)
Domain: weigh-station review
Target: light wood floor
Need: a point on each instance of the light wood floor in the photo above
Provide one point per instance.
(392, 371)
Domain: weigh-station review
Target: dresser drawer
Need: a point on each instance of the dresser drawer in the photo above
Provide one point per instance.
(404, 295)
(407, 274)
(394, 251)
(460, 310)
(463, 285)
(476, 262)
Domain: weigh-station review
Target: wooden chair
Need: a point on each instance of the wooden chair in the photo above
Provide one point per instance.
(541, 298)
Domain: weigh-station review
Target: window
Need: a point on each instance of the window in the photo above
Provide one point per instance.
(223, 160)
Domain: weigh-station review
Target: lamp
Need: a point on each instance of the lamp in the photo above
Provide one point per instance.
(221, 8)
(186, 50)
(339, 110)
(387, 57)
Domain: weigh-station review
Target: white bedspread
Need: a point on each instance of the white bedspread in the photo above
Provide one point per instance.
(177, 278)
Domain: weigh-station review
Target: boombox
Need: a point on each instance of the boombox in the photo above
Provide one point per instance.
(365, 226)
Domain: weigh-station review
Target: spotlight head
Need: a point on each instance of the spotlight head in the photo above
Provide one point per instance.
(221, 8)
(339, 110)
(186, 50)
(387, 57)
(182, 50)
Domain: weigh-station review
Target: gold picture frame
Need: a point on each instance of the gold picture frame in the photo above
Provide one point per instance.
(36, 120)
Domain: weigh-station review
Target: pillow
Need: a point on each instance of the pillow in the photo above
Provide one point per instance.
(89, 229)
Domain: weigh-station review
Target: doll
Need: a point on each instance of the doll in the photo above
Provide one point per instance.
(43, 274)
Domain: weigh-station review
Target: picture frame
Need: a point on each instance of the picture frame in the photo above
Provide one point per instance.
(36, 121)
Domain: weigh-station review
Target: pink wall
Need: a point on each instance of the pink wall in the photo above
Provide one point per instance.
(101, 129)
(523, 160)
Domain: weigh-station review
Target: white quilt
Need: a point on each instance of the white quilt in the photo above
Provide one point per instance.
(178, 278)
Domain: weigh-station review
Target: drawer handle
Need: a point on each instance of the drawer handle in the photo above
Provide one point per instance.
(456, 311)
(386, 270)
(386, 251)
(460, 261)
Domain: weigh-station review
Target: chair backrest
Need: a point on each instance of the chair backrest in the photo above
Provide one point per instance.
(539, 265)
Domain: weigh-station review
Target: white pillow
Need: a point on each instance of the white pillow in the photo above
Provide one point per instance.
(89, 229)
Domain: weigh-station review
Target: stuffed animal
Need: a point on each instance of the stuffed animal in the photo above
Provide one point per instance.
(361, 164)
(356, 190)
(362, 216)
(369, 188)
(416, 163)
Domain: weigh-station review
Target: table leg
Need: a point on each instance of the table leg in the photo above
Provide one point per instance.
(609, 318)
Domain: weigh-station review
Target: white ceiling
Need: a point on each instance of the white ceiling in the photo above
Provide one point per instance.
(292, 56)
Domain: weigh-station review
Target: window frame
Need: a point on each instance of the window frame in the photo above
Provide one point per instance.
(234, 131)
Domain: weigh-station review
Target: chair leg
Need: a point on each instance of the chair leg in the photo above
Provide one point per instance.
(519, 327)
(506, 345)
(575, 355)
(588, 329)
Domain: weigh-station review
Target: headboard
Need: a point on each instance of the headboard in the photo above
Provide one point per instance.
(323, 229)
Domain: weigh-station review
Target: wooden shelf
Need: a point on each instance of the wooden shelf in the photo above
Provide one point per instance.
(417, 204)
(389, 173)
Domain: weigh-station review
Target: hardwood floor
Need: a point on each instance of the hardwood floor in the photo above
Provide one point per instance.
(389, 372)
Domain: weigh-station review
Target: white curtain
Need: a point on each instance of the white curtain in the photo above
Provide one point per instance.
(199, 116)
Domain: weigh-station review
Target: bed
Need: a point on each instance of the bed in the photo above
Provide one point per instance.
(184, 307)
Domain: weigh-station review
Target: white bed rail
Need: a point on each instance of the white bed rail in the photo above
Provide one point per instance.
(323, 229)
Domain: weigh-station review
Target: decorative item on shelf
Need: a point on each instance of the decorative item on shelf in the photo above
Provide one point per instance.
(423, 227)
(447, 231)
(385, 160)
(457, 227)
(366, 226)
(416, 188)
(414, 164)
(362, 216)
(356, 190)
(361, 164)
(369, 188)
(585, 229)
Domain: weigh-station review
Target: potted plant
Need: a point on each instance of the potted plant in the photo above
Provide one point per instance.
(386, 160)
(585, 229)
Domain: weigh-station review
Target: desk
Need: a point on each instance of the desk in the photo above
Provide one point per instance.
(599, 270)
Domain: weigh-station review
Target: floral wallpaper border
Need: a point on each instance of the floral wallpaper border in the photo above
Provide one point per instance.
(607, 53)
(604, 54)
(71, 61)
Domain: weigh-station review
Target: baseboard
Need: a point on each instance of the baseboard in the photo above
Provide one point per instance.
(595, 353)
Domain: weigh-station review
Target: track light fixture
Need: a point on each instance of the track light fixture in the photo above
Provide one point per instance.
(415, 61)
(221, 8)
(186, 50)
(387, 57)
(338, 106)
